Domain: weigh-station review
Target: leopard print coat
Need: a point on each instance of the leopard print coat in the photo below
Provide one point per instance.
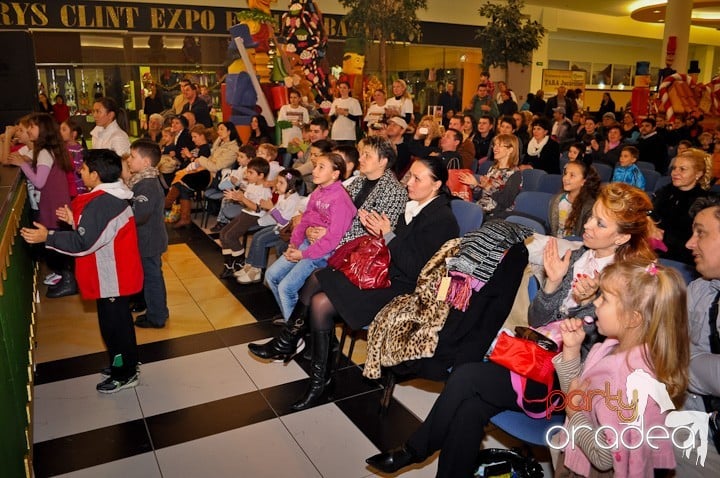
(407, 327)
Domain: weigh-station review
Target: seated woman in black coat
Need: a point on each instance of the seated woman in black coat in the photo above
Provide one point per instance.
(542, 152)
(428, 222)
(690, 180)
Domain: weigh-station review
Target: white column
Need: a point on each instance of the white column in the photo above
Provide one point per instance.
(539, 63)
(706, 56)
(677, 23)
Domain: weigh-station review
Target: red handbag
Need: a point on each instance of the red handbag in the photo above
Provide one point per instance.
(364, 261)
(457, 188)
(529, 357)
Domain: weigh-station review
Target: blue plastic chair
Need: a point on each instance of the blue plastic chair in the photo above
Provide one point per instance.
(662, 182)
(530, 430)
(551, 183)
(563, 160)
(687, 271)
(645, 166)
(534, 204)
(533, 224)
(604, 171)
(484, 167)
(651, 178)
(531, 179)
(469, 215)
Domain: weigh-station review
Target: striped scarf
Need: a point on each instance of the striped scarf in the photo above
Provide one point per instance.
(482, 250)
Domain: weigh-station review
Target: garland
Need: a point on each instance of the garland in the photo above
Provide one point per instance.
(255, 16)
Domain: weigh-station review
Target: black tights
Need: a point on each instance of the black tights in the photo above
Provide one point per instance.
(322, 311)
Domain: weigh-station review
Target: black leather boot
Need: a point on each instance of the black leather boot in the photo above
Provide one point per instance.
(319, 376)
(230, 266)
(285, 344)
(334, 345)
(66, 286)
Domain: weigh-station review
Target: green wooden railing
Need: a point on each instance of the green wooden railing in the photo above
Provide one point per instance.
(16, 329)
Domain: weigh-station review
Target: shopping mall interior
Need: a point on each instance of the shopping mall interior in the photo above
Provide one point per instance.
(205, 406)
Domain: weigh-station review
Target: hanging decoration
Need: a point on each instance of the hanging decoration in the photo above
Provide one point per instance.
(305, 48)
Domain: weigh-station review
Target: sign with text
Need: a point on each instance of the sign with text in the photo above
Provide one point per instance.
(187, 19)
(551, 79)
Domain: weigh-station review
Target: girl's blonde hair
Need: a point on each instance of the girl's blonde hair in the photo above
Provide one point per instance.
(434, 127)
(658, 294)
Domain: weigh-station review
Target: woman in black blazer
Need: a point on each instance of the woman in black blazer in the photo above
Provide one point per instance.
(428, 222)
(542, 151)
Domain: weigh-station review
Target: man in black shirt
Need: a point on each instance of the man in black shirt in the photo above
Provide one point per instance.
(196, 105)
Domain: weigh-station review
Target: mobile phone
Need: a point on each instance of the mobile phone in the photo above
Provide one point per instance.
(423, 130)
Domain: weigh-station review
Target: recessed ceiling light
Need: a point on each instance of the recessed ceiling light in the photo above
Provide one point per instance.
(656, 11)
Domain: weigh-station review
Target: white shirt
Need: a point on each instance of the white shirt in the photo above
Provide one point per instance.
(374, 113)
(110, 137)
(294, 115)
(405, 105)
(343, 128)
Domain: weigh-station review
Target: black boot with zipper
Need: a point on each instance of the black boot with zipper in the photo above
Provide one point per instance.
(320, 379)
(285, 345)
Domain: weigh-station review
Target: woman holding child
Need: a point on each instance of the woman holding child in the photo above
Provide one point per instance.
(618, 230)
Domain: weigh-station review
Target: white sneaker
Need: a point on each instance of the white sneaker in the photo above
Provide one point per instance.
(242, 271)
(52, 279)
(252, 276)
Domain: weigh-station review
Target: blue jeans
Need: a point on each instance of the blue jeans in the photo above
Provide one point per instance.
(154, 290)
(285, 278)
(229, 210)
(262, 240)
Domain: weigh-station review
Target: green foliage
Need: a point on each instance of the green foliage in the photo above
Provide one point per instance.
(378, 20)
(254, 15)
(383, 21)
(509, 37)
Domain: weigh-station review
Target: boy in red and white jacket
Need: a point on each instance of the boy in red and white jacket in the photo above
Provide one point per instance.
(107, 262)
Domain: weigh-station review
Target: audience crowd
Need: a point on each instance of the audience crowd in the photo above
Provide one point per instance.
(626, 189)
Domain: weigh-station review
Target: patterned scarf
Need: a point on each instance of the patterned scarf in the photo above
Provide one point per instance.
(144, 174)
(481, 252)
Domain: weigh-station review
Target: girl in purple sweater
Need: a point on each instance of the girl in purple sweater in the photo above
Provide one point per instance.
(329, 209)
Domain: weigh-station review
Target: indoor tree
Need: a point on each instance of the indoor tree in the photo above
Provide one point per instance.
(510, 36)
(383, 21)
